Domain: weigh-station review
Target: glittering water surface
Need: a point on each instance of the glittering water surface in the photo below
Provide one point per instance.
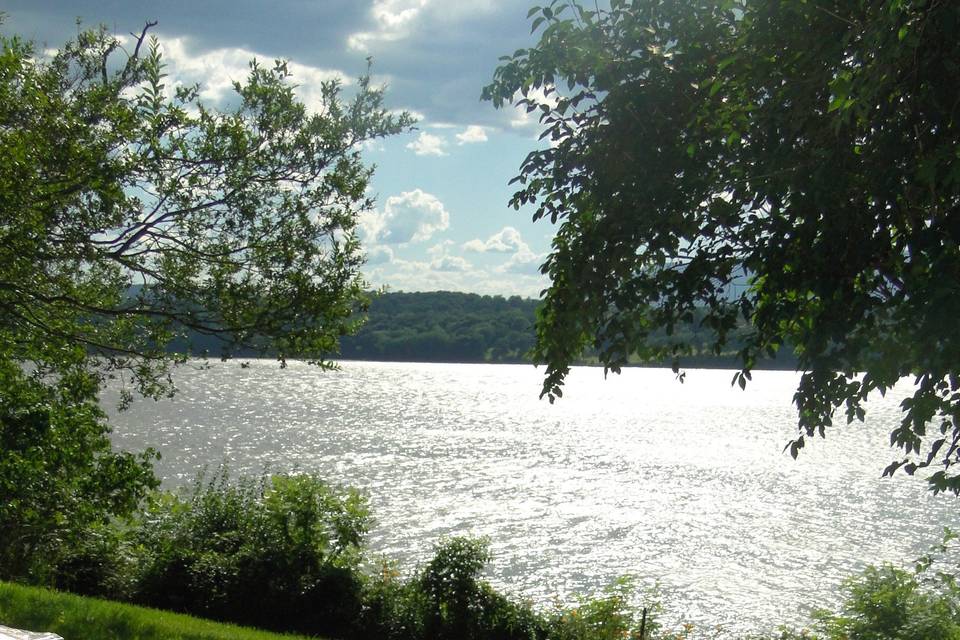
(685, 485)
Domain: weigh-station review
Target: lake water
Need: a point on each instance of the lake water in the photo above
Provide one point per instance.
(681, 485)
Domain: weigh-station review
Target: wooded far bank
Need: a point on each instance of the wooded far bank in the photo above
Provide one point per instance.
(448, 326)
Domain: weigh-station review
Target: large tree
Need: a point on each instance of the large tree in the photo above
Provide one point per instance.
(807, 148)
(132, 214)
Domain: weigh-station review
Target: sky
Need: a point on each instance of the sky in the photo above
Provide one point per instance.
(441, 221)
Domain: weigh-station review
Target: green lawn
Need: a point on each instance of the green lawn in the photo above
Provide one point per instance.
(79, 618)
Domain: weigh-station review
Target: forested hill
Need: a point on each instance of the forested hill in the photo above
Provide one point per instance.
(444, 326)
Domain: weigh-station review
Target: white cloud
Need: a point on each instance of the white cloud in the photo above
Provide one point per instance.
(450, 263)
(413, 216)
(507, 240)
(393, 19)
(443, 261)
(379, 254)
(428, 144)
(524, 262)
(443, 270)
(217, 69)
(472, 134)
(452, 275)
(440, 248)
(416, 115)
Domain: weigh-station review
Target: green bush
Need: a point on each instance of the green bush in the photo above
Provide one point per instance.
(460, 605)
(887, 603)
(279, 554)
(446, 599)
(393, 607)
(99, 563)
(60, 482)
(612, 616)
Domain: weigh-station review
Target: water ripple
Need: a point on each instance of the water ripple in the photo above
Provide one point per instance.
(685, 486)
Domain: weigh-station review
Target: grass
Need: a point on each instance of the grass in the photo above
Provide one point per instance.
(79, 618)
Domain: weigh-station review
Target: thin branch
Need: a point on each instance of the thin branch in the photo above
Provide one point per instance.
(140, 39)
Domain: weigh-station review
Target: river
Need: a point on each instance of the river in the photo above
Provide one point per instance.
(685, 486)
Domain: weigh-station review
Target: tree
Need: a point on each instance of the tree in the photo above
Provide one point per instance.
(59, 479)
(132, 213)
(805, 147)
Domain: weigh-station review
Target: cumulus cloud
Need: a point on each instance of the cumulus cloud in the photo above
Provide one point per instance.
(472, 134)
(415, 275)
(450, 263)
(507, 240)
(401, 35)
(440, 248)
(216, 70)
(379, 254)
(524, 262)
(393, 20)
(441, 260)
(428, 144)
(444, 270)
(412, 216)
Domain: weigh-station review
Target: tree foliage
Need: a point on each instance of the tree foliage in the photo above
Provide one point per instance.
(444, 326)
(59, 478)
(281, 554)
(131, 215)
(808, 148)
(238, 223)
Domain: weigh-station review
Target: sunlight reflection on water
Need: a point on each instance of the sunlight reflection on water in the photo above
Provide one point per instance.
(684, 485)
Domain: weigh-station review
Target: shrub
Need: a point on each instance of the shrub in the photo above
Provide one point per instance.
(887, 603)
(98, 563)
(612, 616)
(446, 599)
(393, 608)
(59, 479)
(279, 554)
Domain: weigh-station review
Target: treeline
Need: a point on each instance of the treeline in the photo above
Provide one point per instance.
(444, 326)
(448, 326)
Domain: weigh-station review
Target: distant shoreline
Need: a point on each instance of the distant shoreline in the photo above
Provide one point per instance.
(694, 363)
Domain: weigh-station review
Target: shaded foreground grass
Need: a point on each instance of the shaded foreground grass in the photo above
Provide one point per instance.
(81, 618)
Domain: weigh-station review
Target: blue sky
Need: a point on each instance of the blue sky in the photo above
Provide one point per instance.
(441, 220)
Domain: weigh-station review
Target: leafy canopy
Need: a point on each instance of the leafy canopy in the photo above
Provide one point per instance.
(59, 479)
(807, 148)
(133, 215)
(131, 212)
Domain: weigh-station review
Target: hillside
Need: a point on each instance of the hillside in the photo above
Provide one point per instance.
(444, 326)
(447, 326)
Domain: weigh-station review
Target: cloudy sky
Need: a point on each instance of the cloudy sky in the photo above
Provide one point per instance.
(442, 221)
